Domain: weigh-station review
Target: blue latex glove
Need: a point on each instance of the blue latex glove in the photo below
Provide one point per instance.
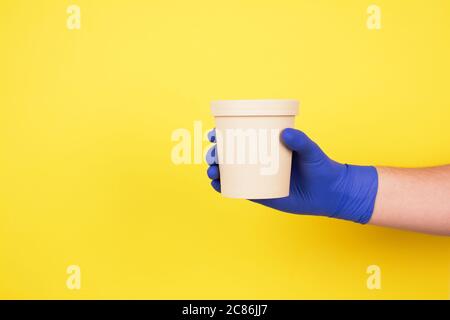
(319, 185)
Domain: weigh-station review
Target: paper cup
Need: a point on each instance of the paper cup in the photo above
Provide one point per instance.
(253, 162)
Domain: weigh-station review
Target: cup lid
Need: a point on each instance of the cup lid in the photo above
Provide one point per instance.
(254, 107)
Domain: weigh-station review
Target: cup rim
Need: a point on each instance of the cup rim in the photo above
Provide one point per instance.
(258, 107)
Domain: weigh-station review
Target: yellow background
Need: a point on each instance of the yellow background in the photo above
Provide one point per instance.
(86, 116)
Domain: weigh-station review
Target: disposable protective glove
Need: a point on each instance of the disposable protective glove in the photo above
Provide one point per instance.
(319, 186)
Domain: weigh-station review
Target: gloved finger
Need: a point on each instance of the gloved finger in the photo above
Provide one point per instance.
(298, 141)
(216, 185)
(212, 135)
(213, 172)
(211, 156)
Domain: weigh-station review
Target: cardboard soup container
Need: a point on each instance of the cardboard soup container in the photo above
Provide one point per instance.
(253, 162)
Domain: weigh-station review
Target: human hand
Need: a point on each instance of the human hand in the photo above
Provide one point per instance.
(319, 186)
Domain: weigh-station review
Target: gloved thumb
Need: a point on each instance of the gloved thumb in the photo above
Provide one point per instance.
(299, 142)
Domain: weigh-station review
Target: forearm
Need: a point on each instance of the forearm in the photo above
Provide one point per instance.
(413, 199)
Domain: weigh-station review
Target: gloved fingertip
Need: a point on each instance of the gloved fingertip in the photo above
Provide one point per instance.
(213, 172)
(289, 137)
(211, 156)
(212, 135)
(216, 185)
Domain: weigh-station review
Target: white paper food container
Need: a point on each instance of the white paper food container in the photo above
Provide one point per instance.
(253, 163)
